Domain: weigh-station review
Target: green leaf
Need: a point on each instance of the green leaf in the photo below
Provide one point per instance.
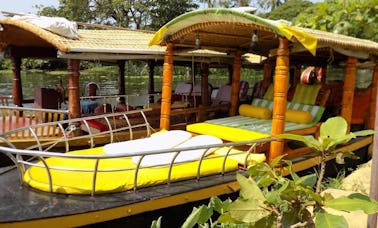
(276, 160)
(308, 180)
(249, 188)
(218, 205)
(248, 211)
(334, 127)
(227, 219)
(199, 215)
(259, 169)
(364, 132)
(156, 223)
(353, 202)
(326, 220)
(265, 181)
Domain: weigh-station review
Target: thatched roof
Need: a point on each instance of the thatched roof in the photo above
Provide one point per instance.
(106, 43)
(23, 34)
(226, 29)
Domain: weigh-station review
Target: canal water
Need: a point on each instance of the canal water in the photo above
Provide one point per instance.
(107, 80)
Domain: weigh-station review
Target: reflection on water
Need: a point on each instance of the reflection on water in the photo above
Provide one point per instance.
(106, 79)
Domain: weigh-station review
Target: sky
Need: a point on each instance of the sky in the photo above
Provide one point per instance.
(24, 6)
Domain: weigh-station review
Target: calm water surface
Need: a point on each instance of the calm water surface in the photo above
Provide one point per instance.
(108, 83)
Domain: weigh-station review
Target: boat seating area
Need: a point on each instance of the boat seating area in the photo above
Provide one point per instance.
(18, 117)
(170, 156)
(66, 133)
(4, 100)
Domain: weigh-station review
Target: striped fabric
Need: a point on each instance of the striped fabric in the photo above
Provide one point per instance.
(316, 111)
(265, 126)
(264, 103)
(269, 92)
(306, 94)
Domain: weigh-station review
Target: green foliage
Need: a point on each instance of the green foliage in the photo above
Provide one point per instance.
(268, 199)
(289, 10)
(139, 14)
(354, 18)
(166, 10)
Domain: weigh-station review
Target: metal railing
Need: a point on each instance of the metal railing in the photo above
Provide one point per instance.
(41, 159)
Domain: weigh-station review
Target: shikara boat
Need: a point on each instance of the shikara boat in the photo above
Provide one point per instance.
(132, 178)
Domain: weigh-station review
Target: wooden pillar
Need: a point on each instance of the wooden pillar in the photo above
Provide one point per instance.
(267, 75)
(235, 84)
(17, 85)
(205, 96)
(74, 88)
(348, 93)
(230, 74)
(297, 75)
(373, 99)
(151, 81)
(121, 77)
(372, 219)
(280, 94)
(165, 113)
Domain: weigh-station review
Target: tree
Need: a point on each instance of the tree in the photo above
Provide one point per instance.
(139, 14)
(225, 3)
(289, 10)
(166, 10)
(353, 18)
(270, 5)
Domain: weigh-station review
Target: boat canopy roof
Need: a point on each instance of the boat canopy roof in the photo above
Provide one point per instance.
(95, 43)
(226, 30)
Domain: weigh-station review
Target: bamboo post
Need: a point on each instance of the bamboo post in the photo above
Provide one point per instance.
(17, 87)
(165, 112)
(348, 93)
(373, 99)
(235, 84)
(121, 77)
(280, 94)
(74, 88)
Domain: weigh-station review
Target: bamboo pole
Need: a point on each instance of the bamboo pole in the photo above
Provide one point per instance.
(166, 95)
(348, 92)
(235, 84)
(17, 86)
(373, 99)
(280, 94)
(74, 88)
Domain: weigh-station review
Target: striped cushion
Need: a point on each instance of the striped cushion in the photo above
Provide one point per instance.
(316, 111)
(306, 94)
(269, 92)
(264, 103)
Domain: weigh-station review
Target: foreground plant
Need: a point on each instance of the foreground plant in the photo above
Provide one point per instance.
(268, 199)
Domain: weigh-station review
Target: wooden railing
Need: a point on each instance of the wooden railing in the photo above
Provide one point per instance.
(4, 100)
(17, 117)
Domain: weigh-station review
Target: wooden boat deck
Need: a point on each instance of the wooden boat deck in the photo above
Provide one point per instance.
(23, 206)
